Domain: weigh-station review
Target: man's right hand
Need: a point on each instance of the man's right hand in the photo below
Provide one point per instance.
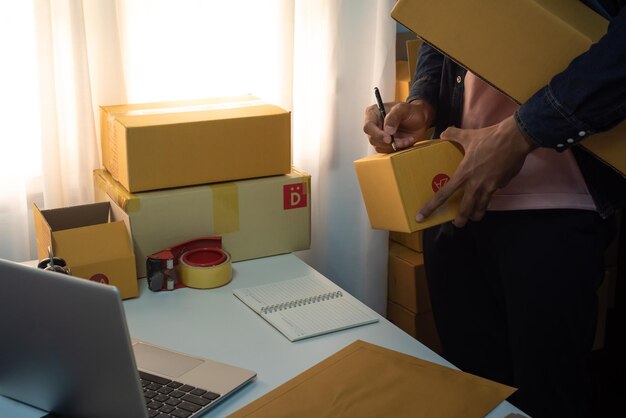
(407, 122)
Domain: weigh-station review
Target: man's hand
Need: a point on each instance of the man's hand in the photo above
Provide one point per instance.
(493, 156)
(407, 122)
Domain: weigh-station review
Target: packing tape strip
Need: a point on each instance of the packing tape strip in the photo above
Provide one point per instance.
(205, 268)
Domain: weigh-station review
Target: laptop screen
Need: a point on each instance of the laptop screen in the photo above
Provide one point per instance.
(65, 346)
(66, 349)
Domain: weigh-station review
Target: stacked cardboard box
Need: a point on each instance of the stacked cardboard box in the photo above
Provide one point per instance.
(408, 305)
(217, 167)
(176, 171)
(403, 80)
(405, 66)
(154, 146)
(255, 217)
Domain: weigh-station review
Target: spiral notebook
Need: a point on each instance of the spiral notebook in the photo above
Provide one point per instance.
(306, 306)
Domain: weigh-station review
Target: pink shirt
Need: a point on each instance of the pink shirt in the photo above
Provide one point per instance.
(548, 179)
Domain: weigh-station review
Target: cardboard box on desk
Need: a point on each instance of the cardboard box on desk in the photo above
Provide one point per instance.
(255, 218)
(93, 243)
(395, 186)
(174, 144)
(517, 46)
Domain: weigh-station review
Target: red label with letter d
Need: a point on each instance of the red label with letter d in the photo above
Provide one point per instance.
(294, 196)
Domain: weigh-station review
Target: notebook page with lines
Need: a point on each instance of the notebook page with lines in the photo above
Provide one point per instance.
(306, 306)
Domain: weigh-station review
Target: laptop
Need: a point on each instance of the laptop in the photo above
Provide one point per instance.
(65, 348)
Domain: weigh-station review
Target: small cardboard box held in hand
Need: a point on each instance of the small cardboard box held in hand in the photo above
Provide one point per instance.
(396, 186)
(94, 245)
(155, 146)
(516, 46)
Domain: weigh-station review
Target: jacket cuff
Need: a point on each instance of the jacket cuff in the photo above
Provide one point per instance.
(544, 121)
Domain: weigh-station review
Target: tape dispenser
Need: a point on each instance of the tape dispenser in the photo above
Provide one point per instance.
(200, 263)
(53, 263)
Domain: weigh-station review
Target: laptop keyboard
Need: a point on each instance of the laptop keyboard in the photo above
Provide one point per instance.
(168, 398)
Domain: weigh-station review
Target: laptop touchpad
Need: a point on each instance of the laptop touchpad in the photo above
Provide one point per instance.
(168, 363)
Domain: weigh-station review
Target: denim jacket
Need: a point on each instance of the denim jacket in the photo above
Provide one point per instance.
(588, 96)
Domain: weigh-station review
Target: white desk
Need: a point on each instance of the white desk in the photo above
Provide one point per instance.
(215, 324)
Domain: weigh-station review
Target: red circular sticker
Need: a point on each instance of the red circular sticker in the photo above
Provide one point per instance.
(100, 278)
(439, 181)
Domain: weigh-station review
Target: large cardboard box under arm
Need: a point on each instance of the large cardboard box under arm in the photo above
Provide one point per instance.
(517, 46)
(255, 218)
(174, 144)
(396, 186)
(92, 240)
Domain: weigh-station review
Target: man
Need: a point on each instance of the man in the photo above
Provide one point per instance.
(513, 279)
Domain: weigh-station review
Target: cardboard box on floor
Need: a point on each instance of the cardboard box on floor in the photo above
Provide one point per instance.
(420, 326)
(410, 240)
(406, 280)
(92, 240)
(517, 46)
(255, 218)
(395, 186)
(173, 144)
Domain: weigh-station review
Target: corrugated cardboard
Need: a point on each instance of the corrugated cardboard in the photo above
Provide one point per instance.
(406, 281)
(93, 243)
(403, 35)
(173, 144)
(517, 46)
(420, 326)
(396, 186)
(412, 48)
(255, 218)
(413, 240)
(403, 81)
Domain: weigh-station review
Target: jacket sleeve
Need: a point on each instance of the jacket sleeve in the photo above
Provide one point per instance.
(589, 96)
(427, 78)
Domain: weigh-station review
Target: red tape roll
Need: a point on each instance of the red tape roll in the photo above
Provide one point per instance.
(200, 263)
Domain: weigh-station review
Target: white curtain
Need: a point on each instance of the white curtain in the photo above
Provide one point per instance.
(318, 58)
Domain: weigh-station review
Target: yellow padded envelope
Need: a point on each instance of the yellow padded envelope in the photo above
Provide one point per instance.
(366, 380)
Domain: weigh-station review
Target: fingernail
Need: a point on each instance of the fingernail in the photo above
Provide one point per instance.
(389, 130)
(419, 217)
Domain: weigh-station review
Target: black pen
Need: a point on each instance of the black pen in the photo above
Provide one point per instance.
(383, 113)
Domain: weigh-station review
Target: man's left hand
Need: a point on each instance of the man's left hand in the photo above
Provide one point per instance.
(493, 156)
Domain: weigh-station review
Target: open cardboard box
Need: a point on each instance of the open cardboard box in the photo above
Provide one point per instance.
(94, 245)
(516, 46)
